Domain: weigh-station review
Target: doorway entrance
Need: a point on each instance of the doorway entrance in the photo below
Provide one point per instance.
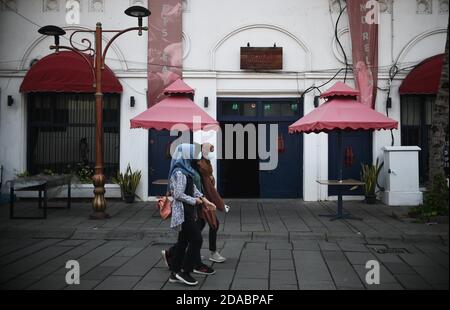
(242, 178)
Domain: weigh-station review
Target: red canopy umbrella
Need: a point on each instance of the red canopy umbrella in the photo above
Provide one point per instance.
(342, 112)
(177, 109)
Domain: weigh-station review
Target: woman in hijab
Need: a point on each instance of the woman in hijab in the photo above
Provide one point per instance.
(187, 198)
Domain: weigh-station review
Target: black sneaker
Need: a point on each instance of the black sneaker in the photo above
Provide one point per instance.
(204, 270)
(186, 278)
(173, 278)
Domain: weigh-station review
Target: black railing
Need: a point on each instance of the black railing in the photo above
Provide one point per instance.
(61, 134)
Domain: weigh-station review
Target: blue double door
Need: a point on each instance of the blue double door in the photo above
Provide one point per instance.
(244, 178)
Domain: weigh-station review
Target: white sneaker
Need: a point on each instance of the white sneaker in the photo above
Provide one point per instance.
(217, 258)
(227, 208)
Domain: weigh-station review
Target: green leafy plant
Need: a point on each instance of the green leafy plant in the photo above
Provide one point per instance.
(48, 172)
(128, 181)
(369, 175)
(435, 201)
(23, 174)
(84, 173)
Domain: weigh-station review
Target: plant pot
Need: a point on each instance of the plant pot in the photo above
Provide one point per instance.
(129, 198)
(371, 199)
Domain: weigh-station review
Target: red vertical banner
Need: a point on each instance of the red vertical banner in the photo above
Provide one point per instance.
(363, 20)
(165, 47)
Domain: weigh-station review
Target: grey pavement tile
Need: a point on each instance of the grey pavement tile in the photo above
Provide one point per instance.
(51, 282)
(413, 282)
(71, 242)
(281, 255)
(359, 258)
(328, 246)
(279, 246)
(399, 268)
(435, 275)
(149, 285)
(341, 270)
(417, 259)
(84, 285)
(140, 264)
(317, 285)
(283, 277)
(11, 257)
(388, 258)
(311, 267)
(281, 265)
(115, 261)
(352, 246)
(385, 287)
(283, 287)
(256, 272)
(220, 281)
(230, 263)
(306, 245)
(12, 245)
(129, 251)
(59, 262)
(250, 284)
(32, 261)
(261, 246)
(19, 283)
(98, 256)
(154, 280)
(99, 272)
(255, 256)
(118, 283)
(270, 236)
(181, 287)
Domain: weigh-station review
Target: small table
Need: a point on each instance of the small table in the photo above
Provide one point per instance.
(340, 184)
(161, 182)
(39, 183)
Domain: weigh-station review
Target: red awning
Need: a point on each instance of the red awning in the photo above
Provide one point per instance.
(67, 72)
(424, 78)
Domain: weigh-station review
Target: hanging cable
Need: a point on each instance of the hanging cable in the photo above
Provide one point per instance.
(342, 9)
(393, 71)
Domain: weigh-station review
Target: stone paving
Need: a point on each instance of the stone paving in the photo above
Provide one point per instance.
(270, 244)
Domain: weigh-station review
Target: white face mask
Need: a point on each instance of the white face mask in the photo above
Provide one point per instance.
(210, 156)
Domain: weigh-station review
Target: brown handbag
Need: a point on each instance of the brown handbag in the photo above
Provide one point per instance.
(165, 207)
(209, 216)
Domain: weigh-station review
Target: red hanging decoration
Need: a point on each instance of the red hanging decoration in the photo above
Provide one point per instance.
(349, 156)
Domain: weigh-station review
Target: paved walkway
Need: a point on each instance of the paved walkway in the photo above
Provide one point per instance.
(270, 244)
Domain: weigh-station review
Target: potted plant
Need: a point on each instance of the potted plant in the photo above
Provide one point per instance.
(369, 175)
(128, 183)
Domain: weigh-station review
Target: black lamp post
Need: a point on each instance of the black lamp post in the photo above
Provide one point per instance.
(99, 202)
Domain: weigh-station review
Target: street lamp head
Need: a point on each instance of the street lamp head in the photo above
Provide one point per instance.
(137, 11)
(51, 30)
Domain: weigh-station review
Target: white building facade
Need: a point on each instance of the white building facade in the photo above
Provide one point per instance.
(213, 31)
